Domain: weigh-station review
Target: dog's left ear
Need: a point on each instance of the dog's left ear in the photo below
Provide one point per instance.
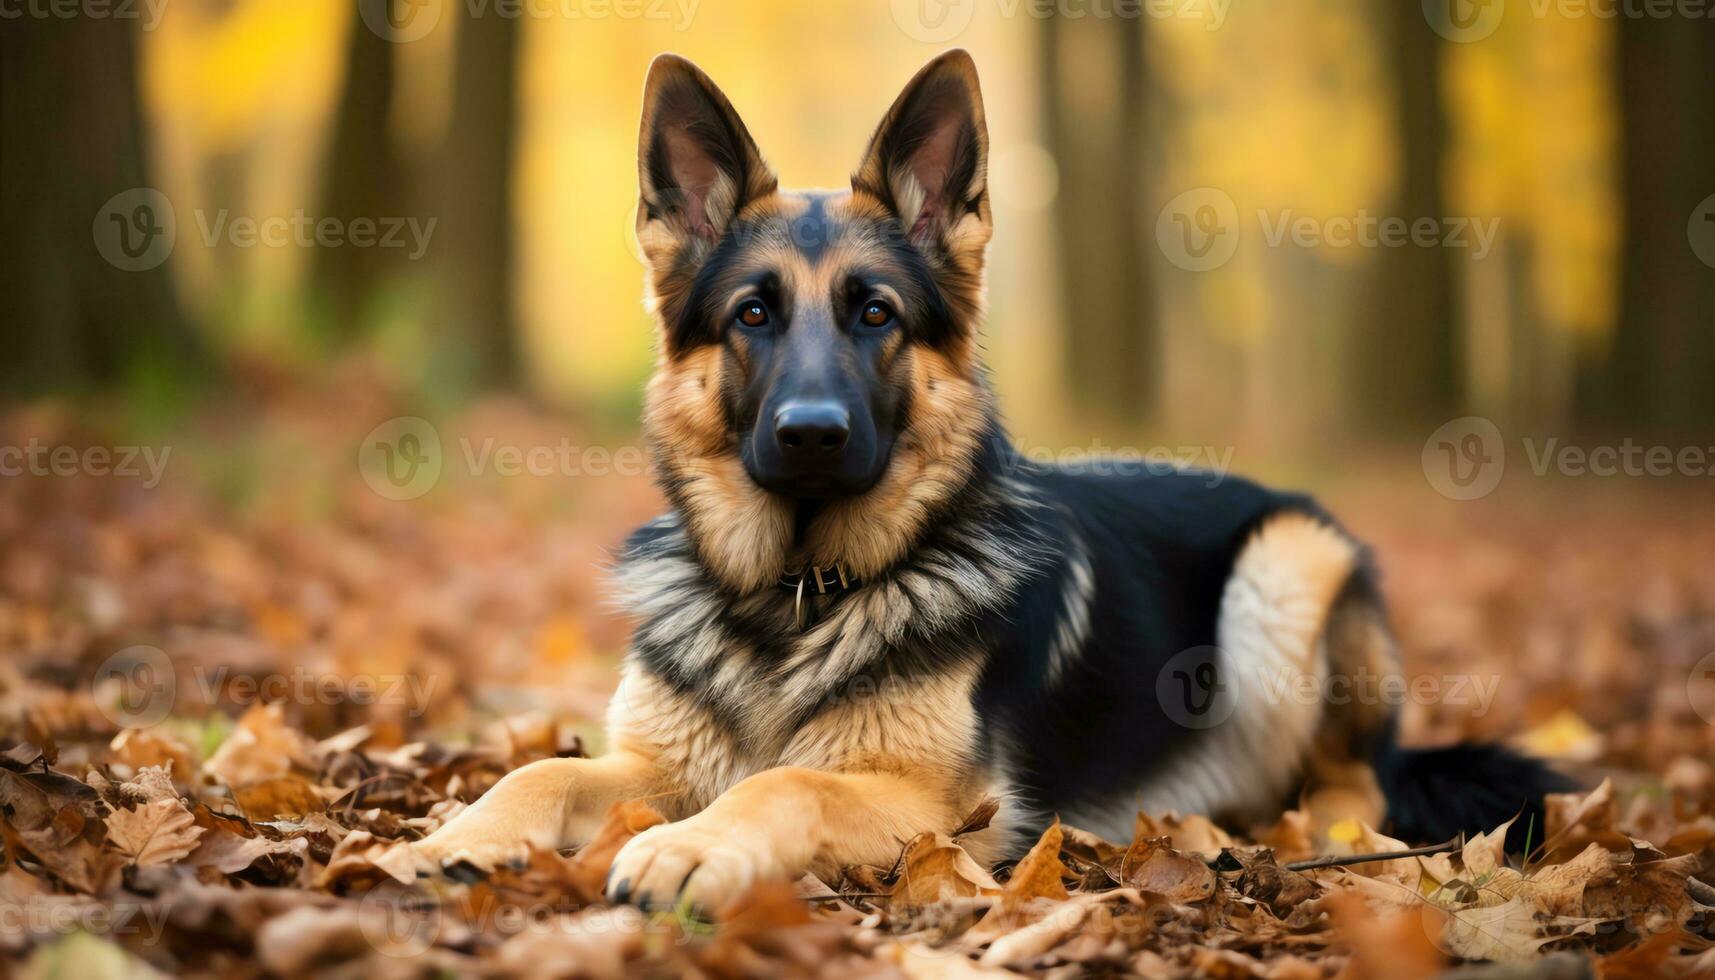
(928, 160)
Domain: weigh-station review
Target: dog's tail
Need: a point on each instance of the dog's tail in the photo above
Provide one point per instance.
(1472, 788)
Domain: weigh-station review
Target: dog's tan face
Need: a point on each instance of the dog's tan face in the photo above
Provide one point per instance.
(818, 361)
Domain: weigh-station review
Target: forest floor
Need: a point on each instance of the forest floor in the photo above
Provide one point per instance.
(227, 695)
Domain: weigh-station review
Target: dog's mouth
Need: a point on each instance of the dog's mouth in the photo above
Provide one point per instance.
(850, 471)
(815, 487)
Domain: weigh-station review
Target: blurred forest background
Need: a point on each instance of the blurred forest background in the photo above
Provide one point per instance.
(1588, 141)
(489, 148)
(255, 248)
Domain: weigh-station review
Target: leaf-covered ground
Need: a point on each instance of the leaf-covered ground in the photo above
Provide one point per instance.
(227, 700)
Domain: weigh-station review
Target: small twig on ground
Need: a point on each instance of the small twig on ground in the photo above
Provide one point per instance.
(1337, 860)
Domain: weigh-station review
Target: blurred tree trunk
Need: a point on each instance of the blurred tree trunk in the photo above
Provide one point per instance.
(1405, 369)
(364, 178)
(1657, 374)
(71, 124)
(1095, 93)
(472, 243)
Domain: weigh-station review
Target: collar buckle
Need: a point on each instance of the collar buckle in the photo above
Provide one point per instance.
(825, 580)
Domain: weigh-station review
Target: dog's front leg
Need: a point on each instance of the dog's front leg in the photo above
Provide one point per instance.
(777, 824)
(549, 804)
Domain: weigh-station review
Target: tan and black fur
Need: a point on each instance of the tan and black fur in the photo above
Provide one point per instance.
(1004, 630)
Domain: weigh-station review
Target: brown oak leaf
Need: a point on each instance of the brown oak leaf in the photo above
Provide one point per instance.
(154, 834)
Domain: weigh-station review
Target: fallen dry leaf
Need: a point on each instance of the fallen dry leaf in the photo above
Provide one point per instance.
(1289, 837)
(1152, 865)
(488, 608)
(151, 784)
(1510, 932)
(1262, 879)
(271, 799)
(261, 747)
(1040, 874)
(230, 853)
(936, 869)
(1194, 833)
(138, 749)
(1486, 853)
(624, 821)
(1395, 946)
(361, 857)
(155, 833)
(1035, 885)
(1574, 820)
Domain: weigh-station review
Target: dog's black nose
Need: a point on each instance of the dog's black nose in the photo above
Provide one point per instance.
(812, 433)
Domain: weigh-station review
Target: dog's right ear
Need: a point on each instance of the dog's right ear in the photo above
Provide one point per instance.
(696, 163)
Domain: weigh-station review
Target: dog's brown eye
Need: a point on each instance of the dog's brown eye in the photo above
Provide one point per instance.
(752, 314)
(876, 315)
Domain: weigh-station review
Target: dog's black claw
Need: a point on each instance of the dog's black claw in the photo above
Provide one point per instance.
(620, 893)
(642, 901)
(679, 895)
(463, 872)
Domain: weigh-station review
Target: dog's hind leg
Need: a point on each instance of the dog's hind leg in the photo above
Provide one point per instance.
(549, 804)
(1275, 614)
(1340, 779)
(1356, 769)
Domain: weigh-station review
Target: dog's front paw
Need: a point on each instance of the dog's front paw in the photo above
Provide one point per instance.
(463, 856)
(685, 862)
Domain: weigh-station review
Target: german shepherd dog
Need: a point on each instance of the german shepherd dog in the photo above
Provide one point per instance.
(865, 612)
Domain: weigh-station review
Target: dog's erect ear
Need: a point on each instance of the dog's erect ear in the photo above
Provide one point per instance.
(696, 163)
(928, 160)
